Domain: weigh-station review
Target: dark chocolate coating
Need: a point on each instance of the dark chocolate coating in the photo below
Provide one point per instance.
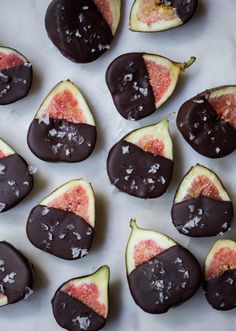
(78, 29)
(16, 182)
(202, 216)
(68, 313)
(61, 141)
(221, 291)
(58, 232)
(203, 129)
(16, 273)
(15, 83)
(166, 280)
(128, 81)
(185, 9)
(138, 173)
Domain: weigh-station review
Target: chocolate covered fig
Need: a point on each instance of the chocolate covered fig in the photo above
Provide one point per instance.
(63, 129)
(161, 273)
(63, 223)
(140, 83)
(202, 207)
(82, 303)
(220, 275)
(208, 121)
(160, 15)
(15, 75)
(82, 30)
(141, 163)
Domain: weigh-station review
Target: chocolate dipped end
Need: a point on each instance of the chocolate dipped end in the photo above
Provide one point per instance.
(204, 130)
(16, 182)
(185, 9)
(16, 274)
(128, 81)
(73, 315)
(138, 173)
(61, 140)
(15, 83)
(78, 29)
(165, 280)
(60, 233)
(202, 216)
(221, 291)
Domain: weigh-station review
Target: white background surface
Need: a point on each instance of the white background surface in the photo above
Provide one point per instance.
(210, 36)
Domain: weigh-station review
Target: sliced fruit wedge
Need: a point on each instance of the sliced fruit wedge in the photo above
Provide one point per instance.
(140, 83)
(220, 275)
(160, 272)
(160, 15)
(111, 12)
(63, 128)
(16, 275)
(16, 180)
(208, 121)
(82, 303)
(141, 163)
(15, 75)
(63, 223)
(202, 207)
(83, 30)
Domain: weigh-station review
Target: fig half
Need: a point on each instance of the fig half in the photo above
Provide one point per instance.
(220, 275)
(63, 128)
(82, 303)
(15, 76)
(160, 272)
(141, 163)
(63, 223)
(208, 122)
(140, 83)
(202, 207)
(16, 180)
(160, 15)
(82, 30)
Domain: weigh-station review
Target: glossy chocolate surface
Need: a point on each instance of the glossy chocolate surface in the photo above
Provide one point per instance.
(61, 141)
(16, 182)
(138, 173)
(15, 83)
(202, 216)
(73, 315)
(165, 280)
(60, 233)
(221, 291)
(78, 29)
(16, 275)
(204, 130)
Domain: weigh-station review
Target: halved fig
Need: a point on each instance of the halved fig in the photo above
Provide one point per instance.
(160, 272)
(140, 83)
(220, 275)
(160, 15)
(208, 121)
(63, 128)
(63, 223)
(15, 75)
(141, 163)
(202, 207)
(16, 180)
(82, 303)
(16, 275)
(82, 30)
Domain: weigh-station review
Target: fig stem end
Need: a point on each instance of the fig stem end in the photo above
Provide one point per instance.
(133, 224)
(187, 64)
